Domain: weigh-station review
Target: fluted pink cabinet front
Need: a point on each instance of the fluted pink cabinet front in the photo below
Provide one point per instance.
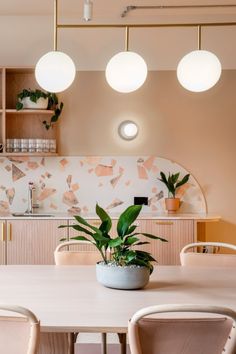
(32, 241)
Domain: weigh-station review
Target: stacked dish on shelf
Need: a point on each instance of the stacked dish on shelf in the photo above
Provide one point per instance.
(31, 145)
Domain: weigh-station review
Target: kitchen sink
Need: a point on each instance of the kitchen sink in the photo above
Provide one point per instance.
(33, 215)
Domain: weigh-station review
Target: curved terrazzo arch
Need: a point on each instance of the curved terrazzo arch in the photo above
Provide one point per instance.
(75, 184)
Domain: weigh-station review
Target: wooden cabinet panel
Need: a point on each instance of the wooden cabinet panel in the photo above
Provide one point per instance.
(33, 241)
(177, 232)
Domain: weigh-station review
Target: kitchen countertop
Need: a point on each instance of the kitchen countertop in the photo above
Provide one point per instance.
(146, 216)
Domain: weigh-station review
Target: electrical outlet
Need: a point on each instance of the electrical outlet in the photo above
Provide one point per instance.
(140, 200)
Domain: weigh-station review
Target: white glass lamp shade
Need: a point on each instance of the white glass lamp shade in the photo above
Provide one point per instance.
(126, 72)
(55, 71)
(128, 130)
(199, 70)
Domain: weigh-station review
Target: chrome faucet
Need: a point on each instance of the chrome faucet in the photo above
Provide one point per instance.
(31, 188)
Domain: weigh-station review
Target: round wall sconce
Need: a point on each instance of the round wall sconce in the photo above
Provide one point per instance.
(128, 130)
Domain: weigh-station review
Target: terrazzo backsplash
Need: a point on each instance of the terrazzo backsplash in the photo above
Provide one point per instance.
(75, 184)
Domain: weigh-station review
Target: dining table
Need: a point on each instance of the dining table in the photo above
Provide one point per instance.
(68, 299)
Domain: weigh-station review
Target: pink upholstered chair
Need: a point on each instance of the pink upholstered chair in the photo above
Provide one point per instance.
(181, 333)
(71, 257)
(207, 259)
(18, 334)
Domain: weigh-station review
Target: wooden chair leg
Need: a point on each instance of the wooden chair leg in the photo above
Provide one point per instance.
(104, 343)
(71, 343)
(122, 340)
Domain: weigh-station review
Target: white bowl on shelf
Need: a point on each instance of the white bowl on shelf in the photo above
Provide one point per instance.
(42, 103)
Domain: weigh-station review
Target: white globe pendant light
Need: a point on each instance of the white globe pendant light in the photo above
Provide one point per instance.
(55, 71)
(126, 71)
(199, 70)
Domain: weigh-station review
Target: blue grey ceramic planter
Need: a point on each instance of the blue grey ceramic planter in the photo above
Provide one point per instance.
(127, 277)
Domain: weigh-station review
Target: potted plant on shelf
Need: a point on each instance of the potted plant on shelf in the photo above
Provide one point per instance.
(172, 183)
(122, 266)
(37, 99)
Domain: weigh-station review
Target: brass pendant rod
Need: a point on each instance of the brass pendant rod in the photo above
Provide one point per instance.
(55, 25)
(147, 25)
(199, 39)
(126, 38)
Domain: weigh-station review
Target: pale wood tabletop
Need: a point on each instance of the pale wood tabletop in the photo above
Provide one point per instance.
(69, 299)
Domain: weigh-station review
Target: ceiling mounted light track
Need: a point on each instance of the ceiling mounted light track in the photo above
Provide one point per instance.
(130, 8)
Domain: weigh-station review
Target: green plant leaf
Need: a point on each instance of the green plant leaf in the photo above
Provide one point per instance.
(82, 229)
(154, 237)
(175, 178)
(81, 238)
(131, 229)
(19, 106)
(85, 223)
(163, 178)
(115, 242)
(142, 243)
(127, 218)
(105, 218)
(183, 181)
(145, 255)
(63, 239)
(100, 238)
(130, 256)
(130, 240)
(54, 118)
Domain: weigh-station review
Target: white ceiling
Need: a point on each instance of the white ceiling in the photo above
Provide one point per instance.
(109, 9)
(26, 32)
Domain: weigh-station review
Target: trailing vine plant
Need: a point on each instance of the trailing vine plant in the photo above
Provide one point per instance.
(53, 103)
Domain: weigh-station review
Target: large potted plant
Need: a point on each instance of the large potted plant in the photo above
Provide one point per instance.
(172, 182)
(37, 99)
(122, 265)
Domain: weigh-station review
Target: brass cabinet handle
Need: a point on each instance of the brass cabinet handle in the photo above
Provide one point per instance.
(3, 236)
(164, 222)
(9, 231)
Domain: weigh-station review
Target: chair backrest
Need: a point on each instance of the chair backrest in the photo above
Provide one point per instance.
(181, 333)
(208, 259)
(69, 257)
(18, 334)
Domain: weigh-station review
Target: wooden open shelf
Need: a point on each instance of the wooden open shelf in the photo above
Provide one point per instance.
(25, 123)
(8, 154)
(29, 111)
